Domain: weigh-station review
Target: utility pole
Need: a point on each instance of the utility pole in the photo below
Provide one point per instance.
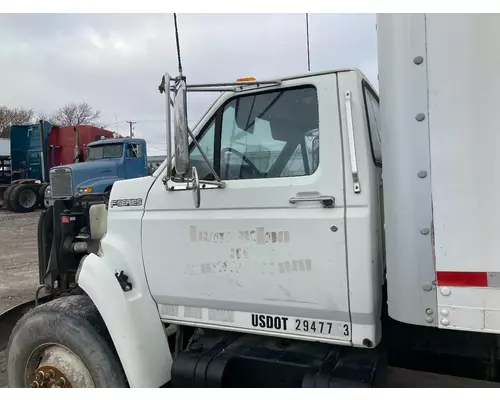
(131, 124)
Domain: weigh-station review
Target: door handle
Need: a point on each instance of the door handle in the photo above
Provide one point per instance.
(326, 201)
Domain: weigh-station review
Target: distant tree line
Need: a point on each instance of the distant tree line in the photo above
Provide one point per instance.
(69, 114)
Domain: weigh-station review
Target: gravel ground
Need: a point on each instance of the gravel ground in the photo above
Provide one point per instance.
(19, 280)
(18, 264)
(18, 258)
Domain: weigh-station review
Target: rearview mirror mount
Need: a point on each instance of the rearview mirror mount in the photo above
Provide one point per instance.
(181, 140)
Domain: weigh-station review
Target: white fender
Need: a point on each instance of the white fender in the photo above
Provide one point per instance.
(131, 317)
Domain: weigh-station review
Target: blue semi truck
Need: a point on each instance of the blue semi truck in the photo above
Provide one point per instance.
(31, 182)
(107, 161)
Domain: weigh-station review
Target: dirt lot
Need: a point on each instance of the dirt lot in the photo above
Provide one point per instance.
(18, 264)
(19, 280)
(18, 258)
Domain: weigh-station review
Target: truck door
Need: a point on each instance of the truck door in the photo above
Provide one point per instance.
(264, 254)
(134, 161)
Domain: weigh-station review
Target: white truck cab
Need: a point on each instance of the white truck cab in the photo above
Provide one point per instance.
(269, 252)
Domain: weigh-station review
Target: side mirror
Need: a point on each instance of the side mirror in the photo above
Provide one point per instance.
(181, 130)
(181, 140)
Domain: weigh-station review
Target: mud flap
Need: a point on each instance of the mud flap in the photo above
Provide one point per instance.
(44, 240)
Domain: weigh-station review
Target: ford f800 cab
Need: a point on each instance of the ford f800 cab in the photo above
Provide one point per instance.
(306, 233)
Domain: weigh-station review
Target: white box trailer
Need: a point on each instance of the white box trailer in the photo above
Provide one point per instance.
(4, 147)
(5, 164)
(370, 233)
(439, 96)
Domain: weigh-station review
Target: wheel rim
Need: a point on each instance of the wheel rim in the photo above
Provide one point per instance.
(27, 198)
(56, 366)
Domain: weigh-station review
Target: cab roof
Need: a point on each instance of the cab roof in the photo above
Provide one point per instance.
(117, 141)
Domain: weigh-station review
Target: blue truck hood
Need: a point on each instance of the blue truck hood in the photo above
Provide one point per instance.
(92, 170)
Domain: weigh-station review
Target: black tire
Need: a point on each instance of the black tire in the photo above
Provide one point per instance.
(6, 197)
(16, 197)
(41, 194)
(72, 322)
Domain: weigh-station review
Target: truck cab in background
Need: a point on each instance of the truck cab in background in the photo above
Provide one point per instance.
(34, 149)
(107, 161)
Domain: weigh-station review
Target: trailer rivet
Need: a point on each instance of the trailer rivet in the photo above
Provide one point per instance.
(444, 312)
(424, 231)
(334, 228)
(445, 321)
(429, 319)
(445, 291)
(422, 174)
(427, 287)
(420, 117)
(418, 60)
(429, 311)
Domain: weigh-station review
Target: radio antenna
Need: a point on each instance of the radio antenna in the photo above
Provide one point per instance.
(178, 45)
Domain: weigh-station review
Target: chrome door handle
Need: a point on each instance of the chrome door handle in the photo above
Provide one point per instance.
(327, 201)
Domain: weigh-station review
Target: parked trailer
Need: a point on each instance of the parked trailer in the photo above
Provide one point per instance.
(5, 167)
(4, 147)
(29, 167)
(67, 144)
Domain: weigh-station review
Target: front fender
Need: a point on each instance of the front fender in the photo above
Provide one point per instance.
(133, 322)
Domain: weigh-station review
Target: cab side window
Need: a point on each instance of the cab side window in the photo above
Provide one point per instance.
(133, 150)
(266, 135)
(272, 134)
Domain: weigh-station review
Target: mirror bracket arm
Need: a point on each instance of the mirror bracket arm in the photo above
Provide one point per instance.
(203, 154)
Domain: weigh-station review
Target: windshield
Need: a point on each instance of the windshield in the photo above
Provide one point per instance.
(105, 151)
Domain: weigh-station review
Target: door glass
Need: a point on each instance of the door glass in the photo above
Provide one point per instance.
(133, 150)
(268, 135)
(305, 157)
(206, 142)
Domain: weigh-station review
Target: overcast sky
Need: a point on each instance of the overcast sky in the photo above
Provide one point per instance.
(115, 61)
